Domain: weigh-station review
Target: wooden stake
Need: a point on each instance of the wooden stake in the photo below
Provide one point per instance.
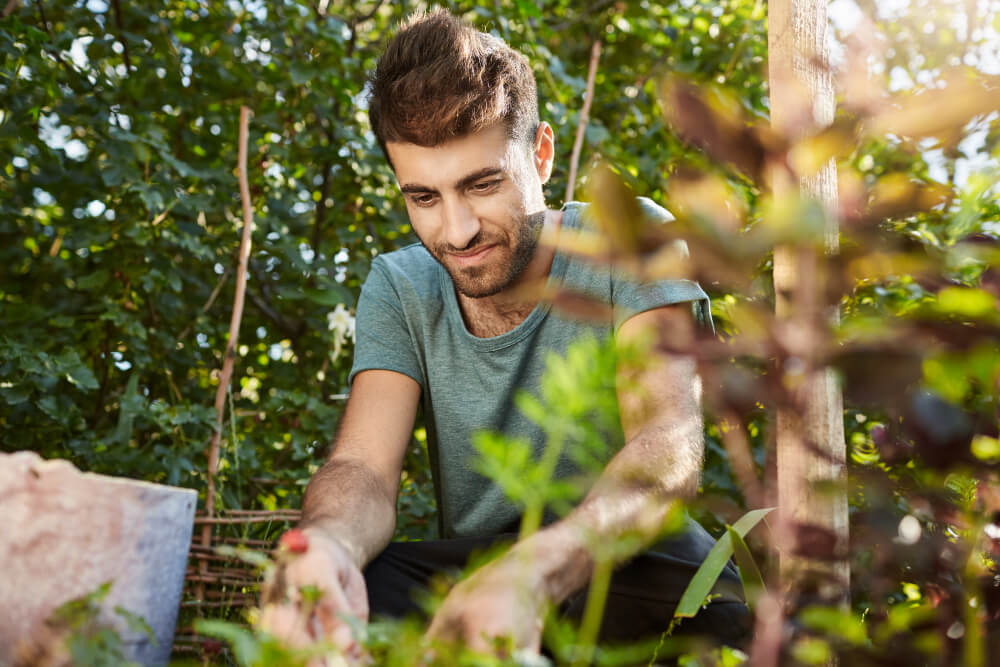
(811, 484)
(581, 128)
(229, 357)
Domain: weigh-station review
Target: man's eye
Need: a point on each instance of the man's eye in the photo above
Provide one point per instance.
(485, 186)
(422, 200)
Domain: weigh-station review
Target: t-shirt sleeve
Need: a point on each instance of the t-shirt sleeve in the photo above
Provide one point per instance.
(383, 340)
(630, 297)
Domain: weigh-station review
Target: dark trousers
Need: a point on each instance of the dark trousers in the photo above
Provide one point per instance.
(641, 601)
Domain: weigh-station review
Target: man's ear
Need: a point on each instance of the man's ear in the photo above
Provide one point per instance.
(544, 151)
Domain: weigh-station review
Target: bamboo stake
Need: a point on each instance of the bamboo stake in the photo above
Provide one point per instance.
(228, 512)
(217, 521)
(581, 128)
(234, 328)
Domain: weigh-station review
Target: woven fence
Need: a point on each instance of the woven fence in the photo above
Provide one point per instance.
(222, 586)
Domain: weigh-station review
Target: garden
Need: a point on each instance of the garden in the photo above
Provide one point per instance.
(192, 198)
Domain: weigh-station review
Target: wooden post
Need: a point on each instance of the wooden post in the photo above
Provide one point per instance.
(811, 451)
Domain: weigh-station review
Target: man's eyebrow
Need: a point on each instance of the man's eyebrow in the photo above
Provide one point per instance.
(414, 189)
(465, 181)
(468, 180)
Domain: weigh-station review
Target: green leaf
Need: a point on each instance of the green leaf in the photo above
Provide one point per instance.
(93, 280)
(528, 8)
(330, 295)
(836, 622)
(131, 403)
(753, 582)
(50, 406)
(111, 174)
(137, 623)
(300, 74)
(986, 448)
(70, 364)
(244, 643)
(16, 394)
(704, 579)
(965, 301)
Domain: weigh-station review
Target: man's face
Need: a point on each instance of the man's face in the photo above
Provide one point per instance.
(476, 204)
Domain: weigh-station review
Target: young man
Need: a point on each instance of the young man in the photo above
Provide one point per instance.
(445, 324)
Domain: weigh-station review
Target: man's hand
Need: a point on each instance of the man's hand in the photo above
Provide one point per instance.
(500, 601)
(317, 589)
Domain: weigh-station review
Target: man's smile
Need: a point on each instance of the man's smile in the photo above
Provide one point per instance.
(474, 257)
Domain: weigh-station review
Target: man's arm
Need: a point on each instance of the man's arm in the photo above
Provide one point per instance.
(353, 496)
(661, 461)
(349, 512)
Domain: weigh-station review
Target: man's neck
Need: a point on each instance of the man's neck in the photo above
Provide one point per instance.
(497, 314)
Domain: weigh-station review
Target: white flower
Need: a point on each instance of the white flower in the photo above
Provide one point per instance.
(341, 323)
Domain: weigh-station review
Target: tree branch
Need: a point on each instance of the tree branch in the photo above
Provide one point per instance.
(263, 304)
(741, 460)
(208, 304)
(581, 128)
(48, 31)
(121, 33)
(597, 6)
(234, 327)
(368, 15)
(324, 191)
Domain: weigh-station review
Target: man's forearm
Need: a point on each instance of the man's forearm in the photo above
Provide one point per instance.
(625, 510)
(350, 503)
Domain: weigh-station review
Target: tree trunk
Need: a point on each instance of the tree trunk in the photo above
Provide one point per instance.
(811, 451)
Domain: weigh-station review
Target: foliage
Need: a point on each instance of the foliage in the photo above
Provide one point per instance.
(79, 632)
(118, 237)
(119, 212)
(729, 544)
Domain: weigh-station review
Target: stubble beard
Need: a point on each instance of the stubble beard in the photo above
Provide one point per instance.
(501, 269)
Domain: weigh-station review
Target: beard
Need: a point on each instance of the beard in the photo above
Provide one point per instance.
(509, 257)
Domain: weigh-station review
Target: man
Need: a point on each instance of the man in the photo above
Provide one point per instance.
(447, 324)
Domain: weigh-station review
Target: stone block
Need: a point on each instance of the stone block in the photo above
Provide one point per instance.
(63, 533)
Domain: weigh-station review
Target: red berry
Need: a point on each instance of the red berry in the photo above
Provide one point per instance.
(295, 541)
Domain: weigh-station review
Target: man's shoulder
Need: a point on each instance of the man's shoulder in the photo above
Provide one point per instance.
(653, 211)
(649, 209)
(409, 276)
(411, 263)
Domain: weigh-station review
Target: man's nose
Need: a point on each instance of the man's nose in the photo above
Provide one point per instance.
(461, 224)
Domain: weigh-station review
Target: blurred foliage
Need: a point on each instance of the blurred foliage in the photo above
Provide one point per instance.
(82, 631)
(119, 226)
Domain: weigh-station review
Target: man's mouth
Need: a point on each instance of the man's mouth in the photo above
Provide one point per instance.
(471, 258)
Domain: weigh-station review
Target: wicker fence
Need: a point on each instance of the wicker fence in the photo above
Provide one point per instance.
(221, 586)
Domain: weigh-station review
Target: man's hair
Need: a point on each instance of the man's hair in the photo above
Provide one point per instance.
(441, 79)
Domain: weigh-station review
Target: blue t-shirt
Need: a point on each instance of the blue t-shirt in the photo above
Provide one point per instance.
(408, 321)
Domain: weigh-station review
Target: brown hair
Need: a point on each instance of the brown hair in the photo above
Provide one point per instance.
(440, 79)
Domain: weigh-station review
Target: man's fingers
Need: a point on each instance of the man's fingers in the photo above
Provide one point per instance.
(435, 631)
(479, 642)
(284, 622)
(343, 638)
(331, 615)
(357, 597)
